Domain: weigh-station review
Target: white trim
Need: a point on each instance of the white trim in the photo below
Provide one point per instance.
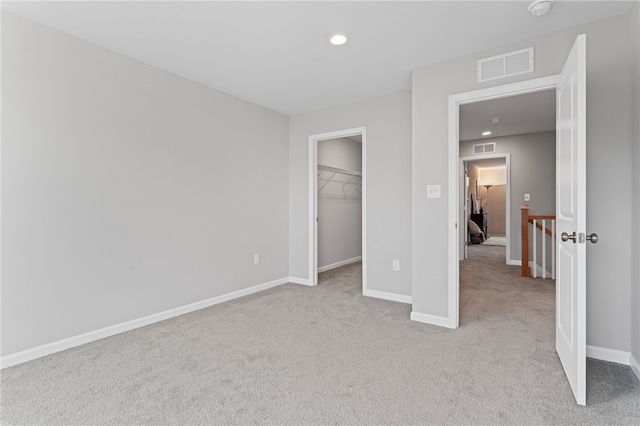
(635, 366)
(313, 211)
(519, 263)
(313, 199)
(453, 293)
(395, 297)
(433, 320)
(339, 264)
(539, 270)
(301, 281)
(496, 92)
(92, 336)
(610, 355)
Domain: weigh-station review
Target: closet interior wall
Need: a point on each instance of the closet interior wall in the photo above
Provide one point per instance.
(339, 202)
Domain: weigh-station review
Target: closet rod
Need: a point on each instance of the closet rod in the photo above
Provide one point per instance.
(337, 170)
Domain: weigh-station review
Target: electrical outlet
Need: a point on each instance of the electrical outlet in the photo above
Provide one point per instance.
(396, 265)
(527, 197)
(433, 191)
(256, 258)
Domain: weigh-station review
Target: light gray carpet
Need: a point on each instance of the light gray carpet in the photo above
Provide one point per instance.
(328, 355)
(495, 241)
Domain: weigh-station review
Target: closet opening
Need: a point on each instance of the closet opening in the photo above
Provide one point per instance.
(337, 206)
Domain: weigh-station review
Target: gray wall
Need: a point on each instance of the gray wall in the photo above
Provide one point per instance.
(533, 171)
(635, 223)
(339, 205)
(496, 210)
(608, 170)
(388, 170)
(127, 191)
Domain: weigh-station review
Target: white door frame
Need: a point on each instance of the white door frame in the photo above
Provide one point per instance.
(507, 160)
(508, 90)
(313, 199)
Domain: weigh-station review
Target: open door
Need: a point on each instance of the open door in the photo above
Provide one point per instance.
(571, 219)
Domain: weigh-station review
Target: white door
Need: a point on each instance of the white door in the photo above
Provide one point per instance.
(571, 219)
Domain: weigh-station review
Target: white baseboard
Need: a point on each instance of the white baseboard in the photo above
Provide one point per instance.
(610, 355)
(635, 366)
(388, 296)
(92, 336)
(298, 280)
(432, 319)
(514, 262)
(339, 264)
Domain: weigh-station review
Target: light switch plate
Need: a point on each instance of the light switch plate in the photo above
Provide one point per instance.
(433, 191)
(527, 197)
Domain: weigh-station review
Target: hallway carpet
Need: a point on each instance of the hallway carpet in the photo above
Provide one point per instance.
(328, 355)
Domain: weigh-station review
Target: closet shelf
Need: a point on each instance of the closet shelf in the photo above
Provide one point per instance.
(337, 170)
(334, 171)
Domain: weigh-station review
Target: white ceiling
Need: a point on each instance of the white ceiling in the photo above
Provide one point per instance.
(276, 54)
(530, 113)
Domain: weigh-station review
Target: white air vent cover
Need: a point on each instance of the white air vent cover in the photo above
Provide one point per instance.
(505, 65)
(484, 148)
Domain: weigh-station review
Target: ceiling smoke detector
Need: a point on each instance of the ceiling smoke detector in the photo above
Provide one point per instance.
(540, 7)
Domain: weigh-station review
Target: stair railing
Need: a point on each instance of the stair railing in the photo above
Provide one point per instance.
(538, 230)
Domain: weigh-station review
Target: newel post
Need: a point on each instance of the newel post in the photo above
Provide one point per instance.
(524, 210)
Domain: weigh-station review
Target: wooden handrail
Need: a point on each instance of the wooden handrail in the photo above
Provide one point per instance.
(539, 225)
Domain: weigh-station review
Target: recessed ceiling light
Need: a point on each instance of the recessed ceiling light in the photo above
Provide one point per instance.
(487, 133)
(338, 39)
(495, 120)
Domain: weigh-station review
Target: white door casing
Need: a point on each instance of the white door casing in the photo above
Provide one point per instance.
(453, 249)
(466, 208)
(313, 200)
(571, 219)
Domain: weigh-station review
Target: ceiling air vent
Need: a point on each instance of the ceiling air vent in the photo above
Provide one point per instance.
(484, 148)
(505, 65)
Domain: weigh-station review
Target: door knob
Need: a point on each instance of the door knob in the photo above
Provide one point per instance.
(593, 237)
(566, 237)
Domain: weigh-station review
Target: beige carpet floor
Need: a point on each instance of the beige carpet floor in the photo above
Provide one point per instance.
(328, 355)
(495, 241)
